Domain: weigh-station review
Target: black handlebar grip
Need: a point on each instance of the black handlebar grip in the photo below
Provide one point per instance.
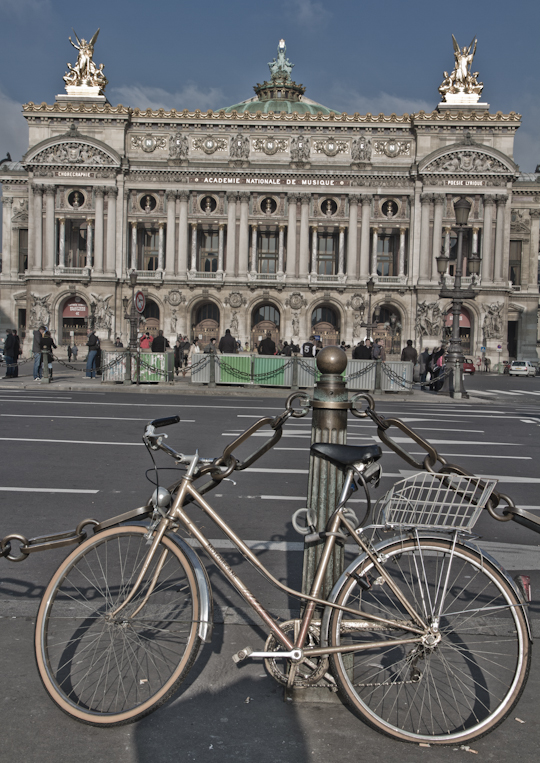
(166, 422)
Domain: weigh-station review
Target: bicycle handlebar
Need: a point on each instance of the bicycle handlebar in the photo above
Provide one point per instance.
(165, 422)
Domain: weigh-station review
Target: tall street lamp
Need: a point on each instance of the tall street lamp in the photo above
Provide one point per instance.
(132, 316)
(370, 285)
(455, 357)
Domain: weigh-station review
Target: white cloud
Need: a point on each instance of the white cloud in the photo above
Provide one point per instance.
(353, 101)
(23, 7)
(307, 13)
(190, 97)
(13, 129)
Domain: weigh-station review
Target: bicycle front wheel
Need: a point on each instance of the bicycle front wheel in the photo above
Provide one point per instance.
(108, 669)
(457, 683)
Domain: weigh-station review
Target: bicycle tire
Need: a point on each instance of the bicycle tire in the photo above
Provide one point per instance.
(107, 671)
(456, 691)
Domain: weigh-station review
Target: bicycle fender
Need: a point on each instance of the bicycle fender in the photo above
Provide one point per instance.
(325, 622)
(206, 621)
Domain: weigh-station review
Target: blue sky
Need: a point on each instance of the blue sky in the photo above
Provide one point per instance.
(351, 55)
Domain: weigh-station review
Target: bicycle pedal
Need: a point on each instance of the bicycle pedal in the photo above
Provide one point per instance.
(243, 654)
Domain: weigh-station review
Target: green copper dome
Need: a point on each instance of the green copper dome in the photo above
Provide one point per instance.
(280, 93)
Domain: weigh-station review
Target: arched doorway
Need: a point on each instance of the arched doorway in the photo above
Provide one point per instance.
(151, 317)
(464, 329)
(206, 323)
(74, 321)
(264, 319)
(325, 325)
(388, 327)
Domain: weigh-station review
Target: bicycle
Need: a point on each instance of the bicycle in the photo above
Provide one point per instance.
(424, 636)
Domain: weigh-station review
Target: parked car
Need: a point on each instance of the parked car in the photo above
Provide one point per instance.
(468, 366)
(522, 368)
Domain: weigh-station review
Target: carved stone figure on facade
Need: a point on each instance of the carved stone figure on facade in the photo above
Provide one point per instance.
(239, 148)
(357, 325)
(300, 149)
(429, 319)
(361, 149)
(174, 322)
(493, 322)
(461, 81)
(295, 325)
(20, 213)
(103, 313)
(178, 146)
(234, 324)
(40, 311)
(85, 72)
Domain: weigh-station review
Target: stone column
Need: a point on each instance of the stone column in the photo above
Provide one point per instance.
(303, 267)
(110, 258)
(254, 232)
(499, 274)
(341, 255)
(8, 259)
(183, 234)
(487, 240)
(291, 238)
(48, 260)
(231, 234)
(533, 247)
(170, 257)
(401, 254)
(374, 246)
(352, 248)
(98, 239)
(425, 201)
(133, 245)
(364, 237)
(121, 263)
(193, 268)
(38, 227)
(62, 242)
(439, 199)
(243, 241)
(475, 240)
(281, 248)
(221, 230)
(314, 249)
(447, 232)
(161, 247)
(89, 241)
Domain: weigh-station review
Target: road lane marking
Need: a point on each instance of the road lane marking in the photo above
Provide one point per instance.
(44, 490)
(452, 442)
(70, 442)
(153, 404)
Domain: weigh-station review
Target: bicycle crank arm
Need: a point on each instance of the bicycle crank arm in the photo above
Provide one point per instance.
(295, 654)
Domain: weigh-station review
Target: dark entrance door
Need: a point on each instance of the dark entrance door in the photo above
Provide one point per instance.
(512, 338)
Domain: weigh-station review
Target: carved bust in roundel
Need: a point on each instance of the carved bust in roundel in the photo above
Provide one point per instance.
(296, 301)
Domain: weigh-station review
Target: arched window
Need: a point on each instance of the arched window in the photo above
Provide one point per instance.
(324, 315)
(207, 311)
(151, 310)
(265, 313)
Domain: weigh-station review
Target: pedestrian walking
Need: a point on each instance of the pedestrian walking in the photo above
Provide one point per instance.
(178, 356)
(409, 353)
(36, 351)
(69, 353)
(424, 360)
(47, 345)
(74, 352)
(227, 343)
(91, 361)
(17, 352)
(9, 354)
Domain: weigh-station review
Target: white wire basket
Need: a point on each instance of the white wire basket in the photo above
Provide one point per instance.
(446, 501)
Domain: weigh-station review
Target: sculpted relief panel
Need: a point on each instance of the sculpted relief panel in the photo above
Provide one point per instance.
(72, 153)
(466, 161)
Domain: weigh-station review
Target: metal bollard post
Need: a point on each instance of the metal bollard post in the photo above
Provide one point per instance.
(45, 370)
(212, 381)
(294, 382)
(329, 424)
(378, 376)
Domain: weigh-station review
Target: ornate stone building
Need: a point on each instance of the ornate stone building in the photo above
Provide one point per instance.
(272, 214)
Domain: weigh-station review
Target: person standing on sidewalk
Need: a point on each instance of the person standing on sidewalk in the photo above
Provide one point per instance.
(227, 343)
(93, 347)
(379, 353)
(9, 354)
(74, 352)
(160, 343)
(409, 353)
(69, 351)
(48, 345)
(36, 351)
(17, 352)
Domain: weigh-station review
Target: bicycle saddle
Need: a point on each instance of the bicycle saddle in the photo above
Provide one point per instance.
(345, 455)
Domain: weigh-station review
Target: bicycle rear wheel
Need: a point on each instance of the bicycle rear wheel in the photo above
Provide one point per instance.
(461, 681)
(108, 670)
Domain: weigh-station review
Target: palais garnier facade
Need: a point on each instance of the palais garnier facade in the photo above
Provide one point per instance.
(275, 214)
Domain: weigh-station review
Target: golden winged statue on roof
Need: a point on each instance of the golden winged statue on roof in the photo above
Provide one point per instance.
(85, 72)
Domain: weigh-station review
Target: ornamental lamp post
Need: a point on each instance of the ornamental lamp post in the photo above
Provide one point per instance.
(455, 357)
(132, 315)
(370, 286)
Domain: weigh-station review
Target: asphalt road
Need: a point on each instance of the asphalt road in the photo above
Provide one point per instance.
(71, 455)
